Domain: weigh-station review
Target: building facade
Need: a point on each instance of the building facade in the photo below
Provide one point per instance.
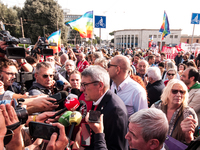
(140, 38)
(188, 38)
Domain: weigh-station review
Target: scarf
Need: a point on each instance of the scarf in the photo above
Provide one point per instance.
(195, 86)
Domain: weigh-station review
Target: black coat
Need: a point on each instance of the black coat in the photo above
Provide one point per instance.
(115, 122)
(154, 91)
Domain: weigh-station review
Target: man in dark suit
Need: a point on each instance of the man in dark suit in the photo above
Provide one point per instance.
(95, 86)
(155, 85)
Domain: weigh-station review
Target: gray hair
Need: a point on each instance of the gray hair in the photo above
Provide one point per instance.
(154, 73)
(102, 61)
(97, 73)
(170, 65)
(44, 65)
(98, 55)
(146, 63)
(70, 61)
(153, 122)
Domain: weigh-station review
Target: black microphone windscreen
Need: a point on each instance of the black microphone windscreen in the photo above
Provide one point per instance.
(76, 92)
(64, 94)
(82, 108)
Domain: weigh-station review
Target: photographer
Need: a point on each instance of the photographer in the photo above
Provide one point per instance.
(37, 49)
(44, 79)
(8, 70)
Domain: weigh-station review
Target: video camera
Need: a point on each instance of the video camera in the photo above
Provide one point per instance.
(21, 78)
(42, 48)
(22, 115)
(12, 51)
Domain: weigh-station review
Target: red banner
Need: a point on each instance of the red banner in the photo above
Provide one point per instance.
(170, 52)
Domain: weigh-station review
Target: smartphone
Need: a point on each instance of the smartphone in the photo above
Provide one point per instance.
(42, 130)
(94, 116)
(85, 135)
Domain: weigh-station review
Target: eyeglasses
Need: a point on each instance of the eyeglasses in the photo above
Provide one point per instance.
(10, 73)
(109, 65)
(85, 84)
(170, 74)
(176, 91)
(46, 76)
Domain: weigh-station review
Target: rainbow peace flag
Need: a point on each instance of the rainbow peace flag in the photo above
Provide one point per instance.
(55, 37)
(165, 26)
(84, 25)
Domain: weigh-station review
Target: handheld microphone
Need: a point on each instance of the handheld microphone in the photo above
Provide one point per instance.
(71, 104)
(82, 108)
(64, 119)
(74, 119)
(76, 91)
(60, 96)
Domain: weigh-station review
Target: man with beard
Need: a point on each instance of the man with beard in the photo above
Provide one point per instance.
(190, 78)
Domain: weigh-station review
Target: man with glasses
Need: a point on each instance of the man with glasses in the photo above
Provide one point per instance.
(95, 87)
(44, 79)
(8, 71)
(132, 93)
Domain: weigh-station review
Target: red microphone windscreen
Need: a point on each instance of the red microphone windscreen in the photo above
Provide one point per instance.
(72, 104)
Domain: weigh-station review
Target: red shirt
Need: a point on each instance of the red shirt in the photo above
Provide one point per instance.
(82, 65)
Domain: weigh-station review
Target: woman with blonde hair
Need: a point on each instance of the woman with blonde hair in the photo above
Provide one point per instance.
(174, 104)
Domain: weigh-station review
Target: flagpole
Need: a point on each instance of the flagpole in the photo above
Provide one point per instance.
(160, 43)
(192, 38)
(92, 27)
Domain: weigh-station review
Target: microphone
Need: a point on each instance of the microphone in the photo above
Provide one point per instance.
(71, 104)
(74, 119)
(76, 91)
(60, 96)
(64, 119)
(82, 108)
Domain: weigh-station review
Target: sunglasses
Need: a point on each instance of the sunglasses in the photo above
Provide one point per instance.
(109, 65)
(169, 74)
(46, 76)
(176, 91)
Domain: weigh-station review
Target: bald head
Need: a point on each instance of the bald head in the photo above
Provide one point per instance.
(63, 58)
(123, 62)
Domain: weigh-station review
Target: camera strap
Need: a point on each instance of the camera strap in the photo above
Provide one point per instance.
(13, 126)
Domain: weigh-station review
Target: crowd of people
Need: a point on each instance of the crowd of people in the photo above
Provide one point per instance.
(142, 97)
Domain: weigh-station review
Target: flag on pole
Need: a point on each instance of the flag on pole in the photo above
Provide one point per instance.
(55, 37)
(84, 25)
(165, 26)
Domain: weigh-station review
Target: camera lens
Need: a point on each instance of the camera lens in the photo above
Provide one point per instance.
(22, 115)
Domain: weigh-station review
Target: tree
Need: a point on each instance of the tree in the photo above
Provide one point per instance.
(42, 16)
(9, 16)
(111, 33)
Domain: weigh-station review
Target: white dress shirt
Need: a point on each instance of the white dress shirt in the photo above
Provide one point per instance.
(132, 94)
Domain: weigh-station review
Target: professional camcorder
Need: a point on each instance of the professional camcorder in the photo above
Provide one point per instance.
(12, 51)
(42, 48)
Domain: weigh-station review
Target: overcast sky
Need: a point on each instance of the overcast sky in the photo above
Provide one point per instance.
(133, 14)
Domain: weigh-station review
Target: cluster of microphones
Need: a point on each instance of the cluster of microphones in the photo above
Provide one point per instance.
(72, 110)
